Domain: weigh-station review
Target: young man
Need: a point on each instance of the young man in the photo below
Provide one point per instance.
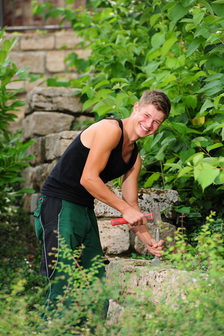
(102, 152)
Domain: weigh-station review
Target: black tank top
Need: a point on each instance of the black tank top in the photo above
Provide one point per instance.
(64, 180)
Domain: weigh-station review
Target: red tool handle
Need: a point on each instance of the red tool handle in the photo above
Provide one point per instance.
(118, 221)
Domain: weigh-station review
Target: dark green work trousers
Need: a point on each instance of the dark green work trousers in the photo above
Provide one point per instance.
(77, 225)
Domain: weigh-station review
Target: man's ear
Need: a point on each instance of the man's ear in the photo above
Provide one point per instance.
(136, 107)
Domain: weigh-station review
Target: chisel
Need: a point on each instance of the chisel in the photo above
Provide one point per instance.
(157, 220)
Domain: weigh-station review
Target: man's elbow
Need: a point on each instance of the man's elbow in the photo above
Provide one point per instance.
(83, 181)
(86, 181)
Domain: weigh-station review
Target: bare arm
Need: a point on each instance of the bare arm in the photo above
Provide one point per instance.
(130, 195)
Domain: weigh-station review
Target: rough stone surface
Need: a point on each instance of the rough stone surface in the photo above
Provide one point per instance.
(66, 39)
(30, 202)
(53, 99)
(37, 42)
(163, 198)
(45, 53)
(147, 199)
(37, 149)
(33, 60)
(29, 177)
(36, 176)
(137, 275)
(40, 82)
(34, 201)
(55, 61)
(115, 311)
(18, 85)
(43, 123)
(41, 172)
(26, 202)
(56, 144)
(114, 240)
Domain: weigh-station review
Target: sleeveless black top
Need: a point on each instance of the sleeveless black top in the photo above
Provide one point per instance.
(64, 180)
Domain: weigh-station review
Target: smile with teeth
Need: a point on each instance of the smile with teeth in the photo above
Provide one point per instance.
(144, 129)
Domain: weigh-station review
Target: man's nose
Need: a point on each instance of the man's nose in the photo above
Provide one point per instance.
(149, 123)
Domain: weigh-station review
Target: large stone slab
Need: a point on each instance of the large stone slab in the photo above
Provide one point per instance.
(29, 178)
(31, 59)
(165, 199)
(37, 42)
(147, 198)
(56, 144)
(137, 276)
(114, 240)
(66, 39)
(55, 61)
(53, 99)
(44, 123)
(36, 176)
(37, 150)
(42, 172)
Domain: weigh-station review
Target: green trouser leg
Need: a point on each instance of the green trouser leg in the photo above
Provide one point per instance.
(77, 226)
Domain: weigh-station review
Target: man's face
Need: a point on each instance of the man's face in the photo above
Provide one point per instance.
(148, 119)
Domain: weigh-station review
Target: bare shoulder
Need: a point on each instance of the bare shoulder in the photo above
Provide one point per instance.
(110, 125)
(106, 130)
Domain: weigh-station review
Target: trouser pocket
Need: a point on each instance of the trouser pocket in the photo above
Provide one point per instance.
(37, 221)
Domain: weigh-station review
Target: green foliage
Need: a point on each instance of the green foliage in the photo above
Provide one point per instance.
(13, 152)
(8, 74)
(195, 306)
(207, 252)
(173, 46)
(13, 157)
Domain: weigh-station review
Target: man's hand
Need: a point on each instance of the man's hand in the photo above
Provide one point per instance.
(155, 247)
(134, 217)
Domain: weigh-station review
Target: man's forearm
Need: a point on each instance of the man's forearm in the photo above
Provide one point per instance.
(142, 233)
(100, 191)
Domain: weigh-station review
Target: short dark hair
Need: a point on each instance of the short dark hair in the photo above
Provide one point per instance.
(157, 98)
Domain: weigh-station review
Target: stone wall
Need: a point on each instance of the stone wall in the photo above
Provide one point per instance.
(49, 118)
(43, 53)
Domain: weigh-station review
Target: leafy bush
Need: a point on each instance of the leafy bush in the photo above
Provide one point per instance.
(13, 159)
(207, 252)
(194, 308)
(174, 46)
(13, 152)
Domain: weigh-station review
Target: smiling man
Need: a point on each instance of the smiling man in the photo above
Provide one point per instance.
(104, 151)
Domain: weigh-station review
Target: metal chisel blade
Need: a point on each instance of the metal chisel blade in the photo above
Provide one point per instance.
(157, 220)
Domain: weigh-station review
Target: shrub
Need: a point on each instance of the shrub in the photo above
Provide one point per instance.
(13, 159)
(195, 307)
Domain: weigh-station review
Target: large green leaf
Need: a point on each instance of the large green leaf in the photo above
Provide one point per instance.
(167, 45)
(154, 177)
(207, 176)
(193, 46)
(157, 40)
(178, 12)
